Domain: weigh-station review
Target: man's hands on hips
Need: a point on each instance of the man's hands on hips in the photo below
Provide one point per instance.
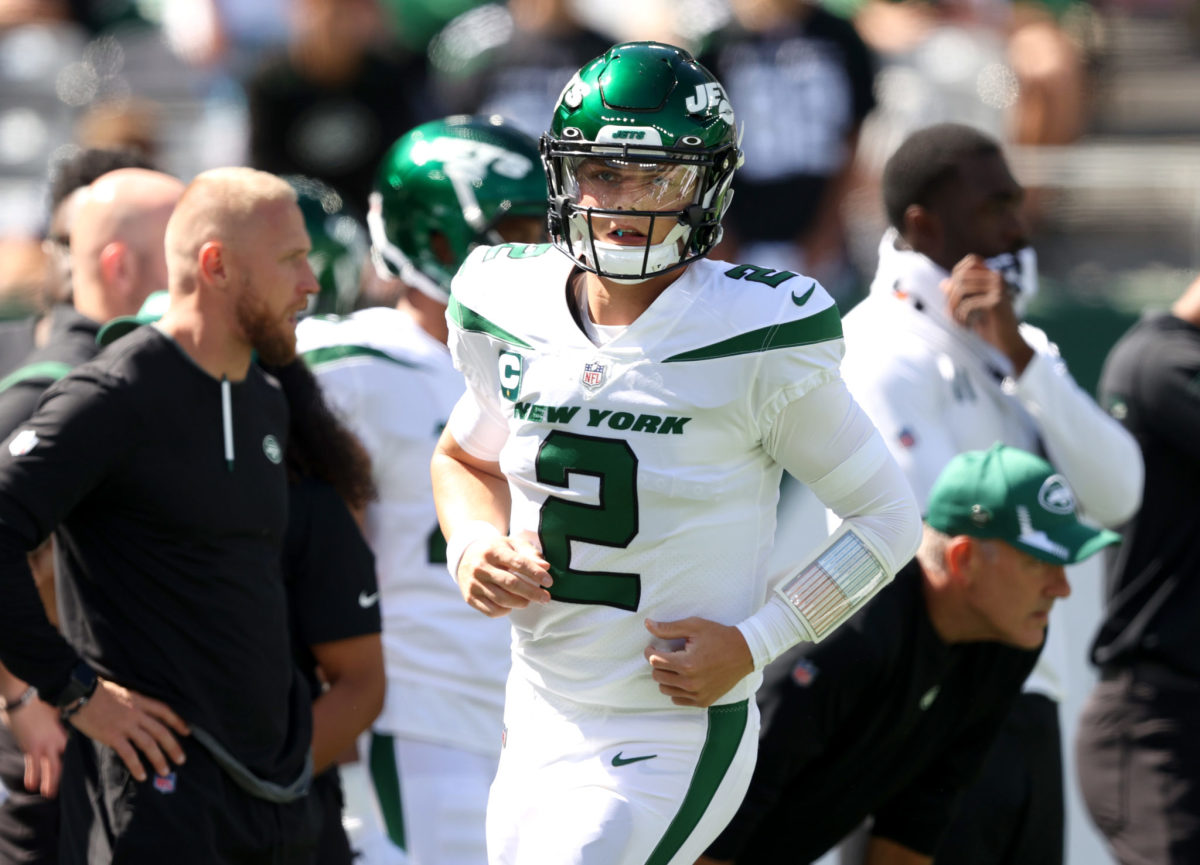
(130, 723)
(712, 659)
(497, 575)
(979, 300)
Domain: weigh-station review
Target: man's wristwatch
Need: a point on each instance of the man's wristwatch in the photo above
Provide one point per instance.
(79, 690)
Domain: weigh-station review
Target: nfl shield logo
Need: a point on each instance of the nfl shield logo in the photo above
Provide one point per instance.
(593, 375)
(165, 783)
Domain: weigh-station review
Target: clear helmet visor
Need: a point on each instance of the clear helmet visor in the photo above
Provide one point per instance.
(619, 184)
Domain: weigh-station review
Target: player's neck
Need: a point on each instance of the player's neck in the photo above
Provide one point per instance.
(429, 315)
(612, 303)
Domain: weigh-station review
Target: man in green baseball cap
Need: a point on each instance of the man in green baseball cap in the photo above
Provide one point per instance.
(1006, 511)
(892, 715)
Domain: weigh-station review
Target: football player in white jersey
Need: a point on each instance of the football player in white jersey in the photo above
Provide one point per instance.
(443, 188)
(609, 479)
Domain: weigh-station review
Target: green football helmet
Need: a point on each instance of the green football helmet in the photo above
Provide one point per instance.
(652, 127)
(339, 246)
(442, 189)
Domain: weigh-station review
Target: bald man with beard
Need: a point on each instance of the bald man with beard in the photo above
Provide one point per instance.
(159, 466)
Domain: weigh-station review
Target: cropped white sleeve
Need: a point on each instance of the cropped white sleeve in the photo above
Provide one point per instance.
(826, 441)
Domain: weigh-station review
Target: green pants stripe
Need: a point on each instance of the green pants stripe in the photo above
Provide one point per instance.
(726, 724)
(386, 778)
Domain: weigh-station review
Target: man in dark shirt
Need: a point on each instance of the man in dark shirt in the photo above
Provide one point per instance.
(160, 466)
(117, 259)
(1137, 751)
(892, 715)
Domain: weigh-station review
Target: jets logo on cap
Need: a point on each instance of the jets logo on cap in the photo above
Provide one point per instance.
(1055, 496)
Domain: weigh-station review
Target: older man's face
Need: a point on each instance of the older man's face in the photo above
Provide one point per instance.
(1013, 592)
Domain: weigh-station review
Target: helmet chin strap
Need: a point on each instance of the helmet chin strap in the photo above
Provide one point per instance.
(383, 250)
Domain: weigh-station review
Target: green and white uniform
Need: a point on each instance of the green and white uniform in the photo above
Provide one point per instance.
(644, 469)
(436, 742)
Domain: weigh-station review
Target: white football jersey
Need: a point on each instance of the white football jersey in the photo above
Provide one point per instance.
(394, 386)
(637, 467)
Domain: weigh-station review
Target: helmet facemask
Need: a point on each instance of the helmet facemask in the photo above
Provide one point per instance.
(602, 193)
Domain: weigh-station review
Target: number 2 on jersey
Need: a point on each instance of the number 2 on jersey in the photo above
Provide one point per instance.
(612, 522)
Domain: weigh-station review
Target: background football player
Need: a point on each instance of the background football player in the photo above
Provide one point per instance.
(443, 188)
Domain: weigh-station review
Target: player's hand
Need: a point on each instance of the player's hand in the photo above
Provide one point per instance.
(41, 738)
(498, 575)
(711, 660)
(979, 300)
(130, 723)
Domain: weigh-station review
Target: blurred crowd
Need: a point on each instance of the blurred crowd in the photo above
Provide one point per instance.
(321, 87)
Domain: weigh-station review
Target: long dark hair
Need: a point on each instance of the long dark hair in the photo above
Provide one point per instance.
(319, 444)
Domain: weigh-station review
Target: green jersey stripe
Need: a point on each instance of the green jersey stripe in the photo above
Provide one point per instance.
(726, 724)
(385, 777)
(321, 356)
(822, 327)
(469, 319)
(47, 369)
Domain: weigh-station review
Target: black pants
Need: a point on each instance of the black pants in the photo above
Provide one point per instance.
(195, 816)
(1138, 756)
(333, 847)
(28, 821)
(1013, 813)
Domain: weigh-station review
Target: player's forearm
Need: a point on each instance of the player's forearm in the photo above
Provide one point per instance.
(467, 489)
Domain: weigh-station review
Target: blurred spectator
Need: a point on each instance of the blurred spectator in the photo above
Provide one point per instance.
(131, 124)
(332, 104)
(19, 336)
(1138, 760)
(117, 260)
(117, 241)
(801, 81)
(512, 61)
(26, 275)
(69, 177)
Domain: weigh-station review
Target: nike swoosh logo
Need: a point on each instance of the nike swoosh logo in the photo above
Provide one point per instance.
(625, 761)
(803, 299)
(365, 600)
